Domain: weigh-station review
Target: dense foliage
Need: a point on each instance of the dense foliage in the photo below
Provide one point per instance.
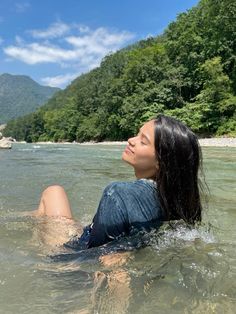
(20, 95)
(189, 72)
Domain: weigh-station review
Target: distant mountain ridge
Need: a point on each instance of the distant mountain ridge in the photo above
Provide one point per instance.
(20, 95)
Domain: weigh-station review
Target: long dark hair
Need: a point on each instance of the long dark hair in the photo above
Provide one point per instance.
(179, 157)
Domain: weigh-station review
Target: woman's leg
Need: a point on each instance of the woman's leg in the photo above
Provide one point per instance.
(54, 203)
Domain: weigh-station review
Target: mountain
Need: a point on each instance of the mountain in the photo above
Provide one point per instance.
(189, 73)
(20, 95)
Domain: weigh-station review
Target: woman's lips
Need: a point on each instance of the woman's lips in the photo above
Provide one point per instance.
(128, 150)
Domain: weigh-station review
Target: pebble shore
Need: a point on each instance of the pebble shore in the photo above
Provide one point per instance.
(218, 141)
(214, 141)
(223, 142)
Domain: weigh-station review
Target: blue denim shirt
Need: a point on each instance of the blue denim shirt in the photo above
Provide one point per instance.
(124, 209)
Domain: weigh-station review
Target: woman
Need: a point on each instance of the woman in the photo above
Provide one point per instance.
(166, 158)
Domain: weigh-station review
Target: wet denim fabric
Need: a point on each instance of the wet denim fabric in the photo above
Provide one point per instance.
(125, 208)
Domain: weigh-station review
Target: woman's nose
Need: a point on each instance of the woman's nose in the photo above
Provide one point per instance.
(131, 141)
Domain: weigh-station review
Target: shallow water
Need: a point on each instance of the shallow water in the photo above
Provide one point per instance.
(182, 271)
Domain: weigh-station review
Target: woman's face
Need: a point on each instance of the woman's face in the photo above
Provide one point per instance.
(140, 152)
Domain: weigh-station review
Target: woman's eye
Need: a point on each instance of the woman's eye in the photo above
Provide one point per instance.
(143, 143)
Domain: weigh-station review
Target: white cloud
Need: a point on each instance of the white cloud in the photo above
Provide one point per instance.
(83, 28)
(92, 46)
(59, 80)
(149, 35)
(100, 40)
(19, 40)
(54, 30)
(40, 53)
(81, 50)
(22, 6)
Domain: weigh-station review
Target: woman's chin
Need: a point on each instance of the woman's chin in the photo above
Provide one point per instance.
(125, 157)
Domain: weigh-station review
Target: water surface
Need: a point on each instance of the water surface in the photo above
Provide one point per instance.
(183, 271)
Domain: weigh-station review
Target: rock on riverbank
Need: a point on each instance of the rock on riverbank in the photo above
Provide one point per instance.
(6, 142)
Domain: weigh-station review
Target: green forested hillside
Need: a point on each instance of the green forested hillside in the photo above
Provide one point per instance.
(20, 95)
(189, 72)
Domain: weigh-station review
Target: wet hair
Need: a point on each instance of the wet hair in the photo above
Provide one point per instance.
(179, 158)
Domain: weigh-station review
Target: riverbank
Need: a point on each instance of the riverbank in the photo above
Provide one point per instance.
(218, 141)
(214, 141)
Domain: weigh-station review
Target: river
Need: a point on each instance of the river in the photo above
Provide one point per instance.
(182, 271)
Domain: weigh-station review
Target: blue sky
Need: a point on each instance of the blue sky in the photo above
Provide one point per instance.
(54, 41)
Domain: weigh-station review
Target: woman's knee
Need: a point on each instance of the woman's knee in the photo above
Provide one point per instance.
(55, 189)
(55, 202)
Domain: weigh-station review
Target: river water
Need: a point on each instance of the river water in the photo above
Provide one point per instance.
(182, 271)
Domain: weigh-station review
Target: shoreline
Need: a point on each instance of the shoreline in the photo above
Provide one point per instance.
(218, 141)
(213, 141)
